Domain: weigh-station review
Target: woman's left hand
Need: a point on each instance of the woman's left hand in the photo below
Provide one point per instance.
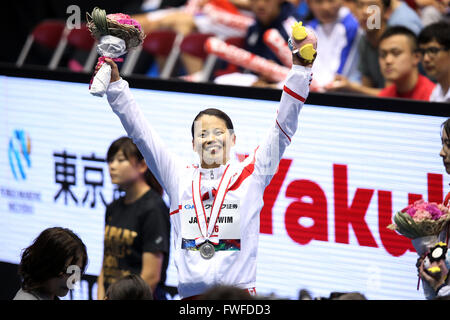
(434, 282)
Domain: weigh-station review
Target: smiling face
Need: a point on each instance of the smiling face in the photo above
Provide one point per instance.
(212, 141)
(445, 150)
(397, 58)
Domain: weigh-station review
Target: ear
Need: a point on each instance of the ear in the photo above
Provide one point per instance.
(142, 166)
(416, 58)
(233, 139)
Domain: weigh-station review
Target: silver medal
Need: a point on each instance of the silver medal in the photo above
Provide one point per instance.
(207, 250)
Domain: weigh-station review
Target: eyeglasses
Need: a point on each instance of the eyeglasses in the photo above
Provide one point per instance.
(432, 51)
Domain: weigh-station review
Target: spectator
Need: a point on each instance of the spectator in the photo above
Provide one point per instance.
(372, 23)
(44, 266)
(276, 14)
(137, 226)
(399, 61)
(434, 46)
(195, 18)
(337, 32)
(430, 11)
(374, 17)
(400, 14)
(131, 287)
(269, 14)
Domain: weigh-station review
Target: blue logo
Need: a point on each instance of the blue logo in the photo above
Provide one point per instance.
(19, 154)
(189, 206)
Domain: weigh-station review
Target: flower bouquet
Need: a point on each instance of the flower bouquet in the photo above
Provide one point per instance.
(423, 223)
(117, 33)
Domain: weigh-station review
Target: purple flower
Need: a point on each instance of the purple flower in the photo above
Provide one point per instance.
(411, 211)
(434, 211)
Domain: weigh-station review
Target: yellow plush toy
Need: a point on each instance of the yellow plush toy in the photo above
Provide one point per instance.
(303, 41)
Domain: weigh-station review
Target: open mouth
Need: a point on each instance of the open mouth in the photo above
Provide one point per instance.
(213, 148)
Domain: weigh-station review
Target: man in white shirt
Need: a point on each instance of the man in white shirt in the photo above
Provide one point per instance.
(434, 46)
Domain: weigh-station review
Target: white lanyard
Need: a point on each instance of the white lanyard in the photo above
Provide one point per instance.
(207, 229)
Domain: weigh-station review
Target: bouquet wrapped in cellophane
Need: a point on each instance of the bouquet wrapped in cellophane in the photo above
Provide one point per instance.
(117, 33)
(424, 223)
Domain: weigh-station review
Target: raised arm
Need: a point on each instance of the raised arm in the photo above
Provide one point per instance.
(163, 164)
(295, 92)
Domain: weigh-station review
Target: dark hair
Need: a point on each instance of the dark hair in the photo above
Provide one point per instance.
(130, 287)
(446, 126)
(130, 150)
(225, 292)
(401, 30)
(439, 31)
(213, 112)
(48, 256)
(347, 296)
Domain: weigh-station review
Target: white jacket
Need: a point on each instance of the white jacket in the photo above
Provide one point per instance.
(238, 222)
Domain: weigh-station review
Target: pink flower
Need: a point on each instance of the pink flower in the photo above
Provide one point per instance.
(124, 19)
(422, 215)
(406, 208)
(420, 204)
(420, 210)
(411, 211)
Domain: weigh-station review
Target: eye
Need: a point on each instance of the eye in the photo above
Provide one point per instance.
(433, 50)
(446, 143)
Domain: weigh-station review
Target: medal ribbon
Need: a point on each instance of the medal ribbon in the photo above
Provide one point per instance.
(207, 229)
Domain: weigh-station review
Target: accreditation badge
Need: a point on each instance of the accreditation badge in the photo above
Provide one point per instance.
(227, 225)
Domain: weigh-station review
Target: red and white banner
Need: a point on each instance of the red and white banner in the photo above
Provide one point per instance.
(273, 39)
(246, 59)
(224, 17)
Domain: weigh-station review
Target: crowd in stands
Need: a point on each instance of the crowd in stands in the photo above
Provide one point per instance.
(387, 48)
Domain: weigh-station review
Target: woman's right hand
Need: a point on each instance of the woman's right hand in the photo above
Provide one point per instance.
(115, 76)
(296, 59)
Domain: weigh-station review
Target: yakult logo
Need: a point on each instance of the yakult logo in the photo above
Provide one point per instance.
(310, 201)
